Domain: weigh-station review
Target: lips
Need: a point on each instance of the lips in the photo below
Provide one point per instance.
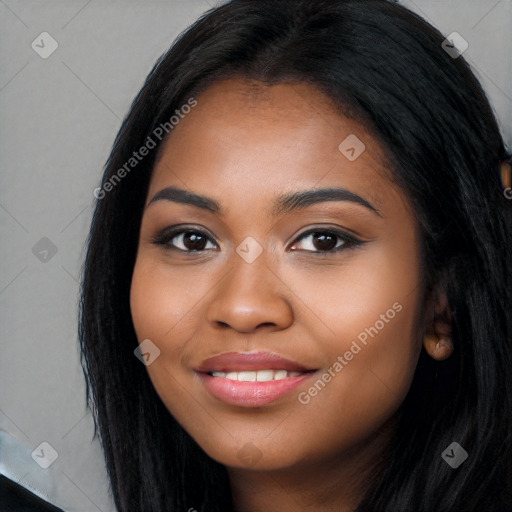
(250, 361)
(251, 379)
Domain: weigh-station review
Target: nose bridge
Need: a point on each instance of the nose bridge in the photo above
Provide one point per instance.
(250, 263)
(250, 270)
(250, 294)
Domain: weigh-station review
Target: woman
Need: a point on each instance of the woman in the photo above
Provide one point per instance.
(302, 236)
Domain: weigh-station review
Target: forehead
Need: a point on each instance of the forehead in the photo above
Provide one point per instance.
(249, 137)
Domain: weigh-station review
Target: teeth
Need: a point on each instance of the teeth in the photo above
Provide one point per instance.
(280, 375)
(264, 375)
(247, 376)
(259, 376)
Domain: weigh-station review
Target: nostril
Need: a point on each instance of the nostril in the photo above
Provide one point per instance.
(272, 324)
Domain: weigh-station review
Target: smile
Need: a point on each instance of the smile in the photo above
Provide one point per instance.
(259, 376)
(251, 379)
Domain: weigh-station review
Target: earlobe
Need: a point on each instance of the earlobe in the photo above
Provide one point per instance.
(438, 347)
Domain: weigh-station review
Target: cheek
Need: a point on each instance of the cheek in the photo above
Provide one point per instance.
(375, 293)
(366, 318)
(163, 304)
(370, 370)
(163, 298)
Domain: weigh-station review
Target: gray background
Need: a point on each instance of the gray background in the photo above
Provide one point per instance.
(58, 119)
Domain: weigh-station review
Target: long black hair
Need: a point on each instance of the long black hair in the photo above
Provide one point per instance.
(386, 67)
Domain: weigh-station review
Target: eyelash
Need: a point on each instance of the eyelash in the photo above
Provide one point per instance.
(350, 241)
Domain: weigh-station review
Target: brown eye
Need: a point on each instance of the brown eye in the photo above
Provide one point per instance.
(325, 241)
(194, 241)
(189, 240)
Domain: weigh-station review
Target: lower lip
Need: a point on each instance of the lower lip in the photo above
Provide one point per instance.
(250, 394)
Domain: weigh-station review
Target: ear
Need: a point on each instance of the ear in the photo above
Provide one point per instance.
(437, 336)
(506, 174)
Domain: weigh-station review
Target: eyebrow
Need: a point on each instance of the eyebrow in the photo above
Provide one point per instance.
(283, 204)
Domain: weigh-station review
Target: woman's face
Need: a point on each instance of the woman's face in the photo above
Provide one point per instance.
(307, 309)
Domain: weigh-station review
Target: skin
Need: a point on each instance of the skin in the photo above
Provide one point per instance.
(244, 144)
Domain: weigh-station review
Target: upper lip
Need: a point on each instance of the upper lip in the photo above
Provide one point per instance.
(242, 361)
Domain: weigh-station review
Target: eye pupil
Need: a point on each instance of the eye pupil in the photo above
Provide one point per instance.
(324, 241)
(193, 241)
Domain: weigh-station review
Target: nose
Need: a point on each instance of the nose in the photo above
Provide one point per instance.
(250, 296)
